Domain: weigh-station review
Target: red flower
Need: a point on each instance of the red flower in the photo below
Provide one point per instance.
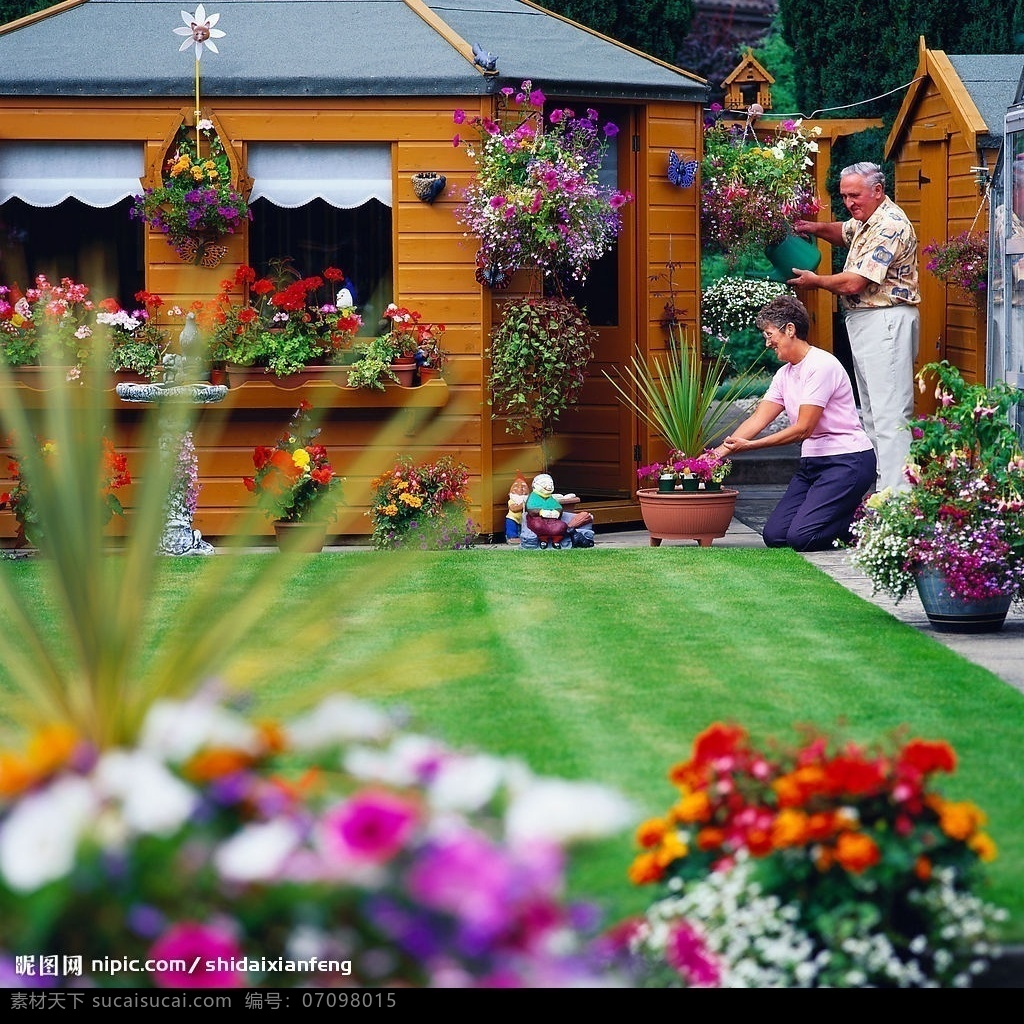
(717, 741)
(926, 756)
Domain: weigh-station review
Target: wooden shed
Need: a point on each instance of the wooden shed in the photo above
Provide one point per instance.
(330, 108)
(944, 143)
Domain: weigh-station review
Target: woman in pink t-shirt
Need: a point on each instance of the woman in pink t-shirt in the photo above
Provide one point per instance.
(837, 461)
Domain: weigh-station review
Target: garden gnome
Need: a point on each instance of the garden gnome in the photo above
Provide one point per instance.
(544, 512)
(517, 495)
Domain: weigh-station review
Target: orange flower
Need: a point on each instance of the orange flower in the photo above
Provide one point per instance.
(959, 819)
(672, 848)
(51, 747)
(759, 842)
(15, 774)
(789, 828)
(710, 839)
(693, 807)
(650, 832)
(856, 852)
(644, 869)
(923, 868)
(820, 826)
(981, 843)
(213, 764)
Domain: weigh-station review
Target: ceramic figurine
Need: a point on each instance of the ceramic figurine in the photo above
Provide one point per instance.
(517, 495)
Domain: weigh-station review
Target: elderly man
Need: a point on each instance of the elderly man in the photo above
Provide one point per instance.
(878, 290)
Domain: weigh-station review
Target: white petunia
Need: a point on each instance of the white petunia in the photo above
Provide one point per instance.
(173, 731)
(466, 783)
(339, 719)
(258, 852)
(153, 801)
(39, 838)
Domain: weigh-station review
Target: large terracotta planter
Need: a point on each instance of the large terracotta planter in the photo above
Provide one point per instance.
(687, 515)
(948, 613)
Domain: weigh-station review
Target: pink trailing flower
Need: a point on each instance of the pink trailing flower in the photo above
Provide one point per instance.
(371, 826)
(206, 949)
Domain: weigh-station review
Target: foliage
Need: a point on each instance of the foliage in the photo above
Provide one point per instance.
(422, 506)
(113, 475)
(654, 27)
(407, 335)
(963, 514)
(687, 403)
(136, 341)
(294, 480)
(840, 56)
(753, 188)
(196, 195)
(282, 322)
(827, 864)
(728, 308)
(539, 352)
(536, 200)
(961, 261)
(372, 856)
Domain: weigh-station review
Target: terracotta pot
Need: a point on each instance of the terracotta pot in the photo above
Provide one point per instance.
(687, 515)
(300, 537)
(951, 614)
(429, 373)
(404, 368)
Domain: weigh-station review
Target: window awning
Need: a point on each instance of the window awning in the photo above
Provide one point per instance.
(47, 173)
(345, 175)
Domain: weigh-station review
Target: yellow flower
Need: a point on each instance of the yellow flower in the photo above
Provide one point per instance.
(981, 843)
(389, 510)
(672, 848)
(412, 500)
(301, 458)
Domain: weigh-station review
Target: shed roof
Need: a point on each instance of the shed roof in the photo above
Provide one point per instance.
(290, 48)
(991, 80)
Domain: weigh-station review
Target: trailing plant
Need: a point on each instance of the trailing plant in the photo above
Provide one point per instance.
(961, 262)
(539, 353)
(537, 200)
(728, 307)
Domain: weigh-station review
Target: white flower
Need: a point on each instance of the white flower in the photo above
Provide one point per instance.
(258, 852)
(200, 31)
(40, 835)
(338, 719)
(466, 783)
(564, 812)
(153, 801)
(174, 731)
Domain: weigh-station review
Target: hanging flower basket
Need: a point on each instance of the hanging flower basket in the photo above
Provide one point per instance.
(961, 262)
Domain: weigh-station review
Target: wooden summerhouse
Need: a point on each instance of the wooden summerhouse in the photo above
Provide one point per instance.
(945, 143)
(329, 109)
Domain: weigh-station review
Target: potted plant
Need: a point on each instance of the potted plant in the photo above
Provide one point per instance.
(957, 533)
(196, 203)
(961, 262)
(422, 506)
(824, 864)
(391, 355)
(689, 404)
(46, 324)
(282, 323)
(113, 470)
(135, 343)
(754, 186)
(295, 484)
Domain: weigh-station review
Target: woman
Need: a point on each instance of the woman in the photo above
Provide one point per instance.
(837, 461)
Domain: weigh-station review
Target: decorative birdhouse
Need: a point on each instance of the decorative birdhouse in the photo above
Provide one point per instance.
(748, 83)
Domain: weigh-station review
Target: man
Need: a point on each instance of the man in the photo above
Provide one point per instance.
(878, 289)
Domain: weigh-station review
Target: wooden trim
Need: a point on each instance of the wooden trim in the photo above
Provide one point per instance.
(48, 12)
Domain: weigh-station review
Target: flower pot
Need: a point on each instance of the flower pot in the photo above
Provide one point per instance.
(429, 373)
(712, 485)
(689, 483)
(687, 515)
(949, 613)
(300, 537)
(666, 484)
(792, 251)
(404, 368)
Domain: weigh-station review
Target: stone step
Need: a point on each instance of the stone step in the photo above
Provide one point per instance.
(770, 466)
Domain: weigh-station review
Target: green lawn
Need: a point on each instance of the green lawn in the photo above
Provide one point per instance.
(604, 664)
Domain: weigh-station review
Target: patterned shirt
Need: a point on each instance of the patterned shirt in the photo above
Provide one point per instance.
(884, 250)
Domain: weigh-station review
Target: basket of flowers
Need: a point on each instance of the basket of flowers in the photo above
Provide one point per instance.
(961, 261)
(196, 203)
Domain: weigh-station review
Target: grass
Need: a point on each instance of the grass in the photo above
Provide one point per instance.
(604, 664)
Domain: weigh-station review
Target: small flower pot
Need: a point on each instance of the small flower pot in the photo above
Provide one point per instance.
(666, 484)
(712, 485)
(305, 538)
(690, 483)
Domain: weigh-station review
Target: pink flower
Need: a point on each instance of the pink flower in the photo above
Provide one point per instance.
(207, 952)
(371, 826)
(687, 954)
(459, 116)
